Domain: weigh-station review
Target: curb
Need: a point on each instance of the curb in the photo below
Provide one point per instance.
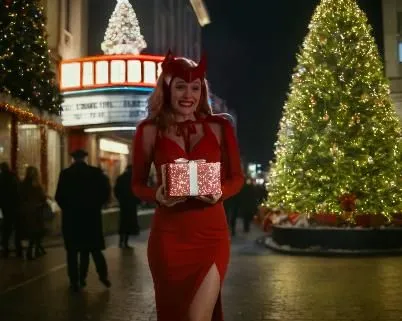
(283, 249)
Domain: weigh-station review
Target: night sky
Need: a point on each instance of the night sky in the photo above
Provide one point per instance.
(251, 48)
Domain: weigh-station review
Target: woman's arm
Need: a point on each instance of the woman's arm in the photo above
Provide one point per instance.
(232, 173)
(143, 147)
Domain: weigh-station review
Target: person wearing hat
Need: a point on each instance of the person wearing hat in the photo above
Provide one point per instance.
(81, 193)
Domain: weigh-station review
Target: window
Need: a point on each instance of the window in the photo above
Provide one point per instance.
(68, 16)
(28, 147)
(400, 50)
(399, 35)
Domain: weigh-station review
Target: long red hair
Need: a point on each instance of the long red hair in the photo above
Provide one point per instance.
(159, 105)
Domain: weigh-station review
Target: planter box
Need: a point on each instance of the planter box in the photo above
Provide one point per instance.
(370, 220)
(338, 238)
(327, 219)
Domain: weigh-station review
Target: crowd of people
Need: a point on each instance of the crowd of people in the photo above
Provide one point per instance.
(25, 211)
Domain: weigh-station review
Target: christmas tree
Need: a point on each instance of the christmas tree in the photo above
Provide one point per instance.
(123, 34)
(4, 30)
(25, 68)
(339, 134)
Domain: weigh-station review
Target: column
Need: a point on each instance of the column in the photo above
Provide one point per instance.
(43, 156)
(14, 143)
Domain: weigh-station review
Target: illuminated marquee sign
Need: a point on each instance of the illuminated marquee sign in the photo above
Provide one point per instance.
(104, 108)
(108, 71)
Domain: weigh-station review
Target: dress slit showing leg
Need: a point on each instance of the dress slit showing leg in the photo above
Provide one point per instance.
(217, 313)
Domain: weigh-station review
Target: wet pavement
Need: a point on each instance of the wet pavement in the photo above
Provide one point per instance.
(260, 285)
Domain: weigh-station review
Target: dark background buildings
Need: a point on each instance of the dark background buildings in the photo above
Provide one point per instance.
(164, 24)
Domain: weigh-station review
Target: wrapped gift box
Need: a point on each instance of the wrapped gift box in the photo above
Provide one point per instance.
(191, 178)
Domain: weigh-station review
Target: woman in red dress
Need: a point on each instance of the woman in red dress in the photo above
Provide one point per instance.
(188, 248)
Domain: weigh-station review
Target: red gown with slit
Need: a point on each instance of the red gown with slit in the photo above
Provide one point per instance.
(187, 239)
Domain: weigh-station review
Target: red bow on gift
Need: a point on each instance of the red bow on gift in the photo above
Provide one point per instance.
(348, 201)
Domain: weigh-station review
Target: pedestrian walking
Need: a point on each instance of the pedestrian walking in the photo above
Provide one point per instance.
(81, 193)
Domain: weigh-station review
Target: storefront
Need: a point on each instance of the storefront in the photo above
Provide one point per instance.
(28, 138)
(105, 97)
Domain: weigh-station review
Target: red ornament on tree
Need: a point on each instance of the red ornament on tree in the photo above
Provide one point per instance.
(348, 202)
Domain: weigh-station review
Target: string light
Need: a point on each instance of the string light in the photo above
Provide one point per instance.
(25, 116)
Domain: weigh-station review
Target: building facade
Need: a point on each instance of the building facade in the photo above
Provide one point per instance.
(29, 137)
(165, 24)
(105, 95)
(392, 28)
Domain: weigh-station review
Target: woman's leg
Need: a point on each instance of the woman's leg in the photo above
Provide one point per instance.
(203, 304)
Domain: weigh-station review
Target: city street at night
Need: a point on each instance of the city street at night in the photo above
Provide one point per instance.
(200, 160)
(260, 285)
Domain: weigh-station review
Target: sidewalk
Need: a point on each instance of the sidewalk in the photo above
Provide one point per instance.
(259, 286)
(110, 226)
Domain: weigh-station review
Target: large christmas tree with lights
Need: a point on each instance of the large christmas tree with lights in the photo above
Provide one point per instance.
(339, 136)
(25, 67)
(123, 34)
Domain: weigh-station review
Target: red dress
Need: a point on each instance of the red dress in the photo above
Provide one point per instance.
(188, 238)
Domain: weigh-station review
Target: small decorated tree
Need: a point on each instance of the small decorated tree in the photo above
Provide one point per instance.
(339, 137)
(123, 34)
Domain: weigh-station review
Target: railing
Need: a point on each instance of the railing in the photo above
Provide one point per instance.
(109, 71)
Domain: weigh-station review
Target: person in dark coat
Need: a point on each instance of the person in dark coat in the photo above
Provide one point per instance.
(81, 193)
(31, 205)
(128, 223)
(245, 205)
(9, 187)
(249, 199)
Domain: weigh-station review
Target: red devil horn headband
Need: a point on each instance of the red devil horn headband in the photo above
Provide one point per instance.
(175, 68)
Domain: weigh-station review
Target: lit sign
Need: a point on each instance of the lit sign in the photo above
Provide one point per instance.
(111, 146)
(104, 108)
(107, 71)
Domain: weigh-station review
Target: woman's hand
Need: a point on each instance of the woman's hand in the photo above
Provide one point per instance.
(211, 199)
(163, 200)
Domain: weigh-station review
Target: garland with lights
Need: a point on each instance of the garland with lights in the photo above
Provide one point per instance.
(25, 116)
(339, 134)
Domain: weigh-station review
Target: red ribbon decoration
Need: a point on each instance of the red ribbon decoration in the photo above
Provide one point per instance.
(186, 129)
(348, 202)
